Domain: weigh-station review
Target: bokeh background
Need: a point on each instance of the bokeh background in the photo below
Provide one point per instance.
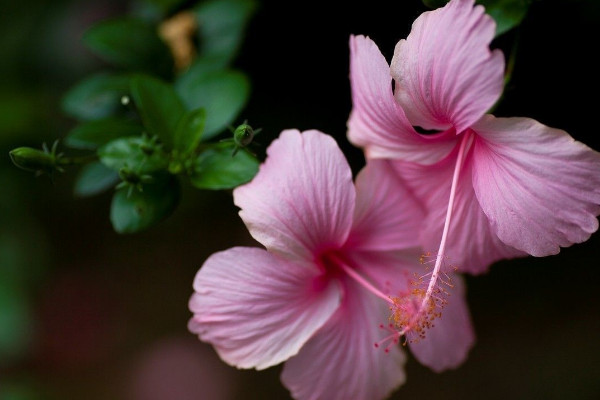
(89, 314)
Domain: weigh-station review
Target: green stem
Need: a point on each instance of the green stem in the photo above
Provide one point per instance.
(64, 161)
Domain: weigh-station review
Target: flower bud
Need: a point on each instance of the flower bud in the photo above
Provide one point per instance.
(243, 135)
(33, 160)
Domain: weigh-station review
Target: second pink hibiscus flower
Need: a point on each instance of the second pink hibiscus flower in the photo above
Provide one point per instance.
(492, 187)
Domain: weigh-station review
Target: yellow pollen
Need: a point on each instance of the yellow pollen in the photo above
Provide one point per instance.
(424, 257)
(414, 312)
(409, 316)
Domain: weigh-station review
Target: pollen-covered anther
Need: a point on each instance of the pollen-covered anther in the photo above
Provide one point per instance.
(414, 312)
(429, 259)
(424, 257)
(411, 317)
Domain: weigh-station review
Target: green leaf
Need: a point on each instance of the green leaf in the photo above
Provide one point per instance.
(189, 131)
(222, 94)
(96, 97)
(139, 154)
(201, 66)
(140, 210)
(216, 168)
(159, 105)
(507, 13)
(221, 25)
(93, 134)
(93, 179)
(132, 44)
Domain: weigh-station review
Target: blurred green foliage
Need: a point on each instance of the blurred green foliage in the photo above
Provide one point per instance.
(132, 44)
(213, 169)
(221, 29)
(143, 127)
(96, 97)
(150, 118)
(90, 135)
(159, 106)
(94, 178)
(221, 93)
(135, 210)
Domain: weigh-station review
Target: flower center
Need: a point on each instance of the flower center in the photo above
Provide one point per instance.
(414, 310)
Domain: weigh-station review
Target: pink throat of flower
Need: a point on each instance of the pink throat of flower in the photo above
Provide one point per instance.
(414, 310)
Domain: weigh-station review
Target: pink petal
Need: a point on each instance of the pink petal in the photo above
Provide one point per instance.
(257, 310)
(445, 73)
(539, 188)
(302, 199)
(377, 122)
(341, 362)
(448, 342)
(472, 245)
(387, 215)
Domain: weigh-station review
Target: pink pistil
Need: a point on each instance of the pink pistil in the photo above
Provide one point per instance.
(465, 143)
(414, 311)
(360, 280)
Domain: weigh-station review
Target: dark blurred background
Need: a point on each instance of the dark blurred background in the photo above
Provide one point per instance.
(89, 314)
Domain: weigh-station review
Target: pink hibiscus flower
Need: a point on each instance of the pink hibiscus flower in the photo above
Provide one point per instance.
(492, 187)
(335, 272)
